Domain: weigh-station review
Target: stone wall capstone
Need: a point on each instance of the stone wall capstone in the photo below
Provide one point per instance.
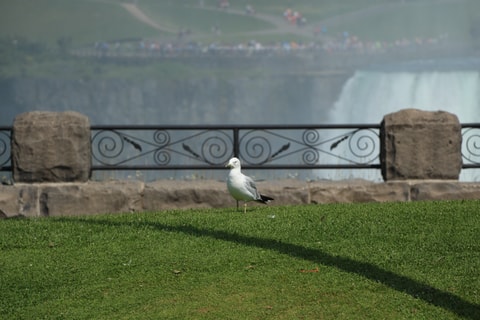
(51, 147)
(416, 144)
(85, 198)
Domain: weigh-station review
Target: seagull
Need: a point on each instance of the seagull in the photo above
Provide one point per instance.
(242, 187)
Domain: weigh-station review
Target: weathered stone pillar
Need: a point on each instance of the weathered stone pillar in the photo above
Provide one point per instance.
(417, 144)
(51, 147)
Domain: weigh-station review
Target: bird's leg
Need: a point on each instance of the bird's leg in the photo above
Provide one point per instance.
(245, 207)
(237, 205)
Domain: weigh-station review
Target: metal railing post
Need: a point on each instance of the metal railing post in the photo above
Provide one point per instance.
(236, 142)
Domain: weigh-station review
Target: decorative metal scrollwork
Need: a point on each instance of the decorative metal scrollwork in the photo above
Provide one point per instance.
(360, 146)
(311, 137)
(161, 157)
(363, 146)
(161, 138)
(471, 145)
(255, 148)
(4, 148)
(217, 149)
(363, 143)
(311, 157)
(310, 147)
(109, 145)
(161, 148)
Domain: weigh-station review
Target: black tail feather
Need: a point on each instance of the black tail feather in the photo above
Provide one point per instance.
(264, 199)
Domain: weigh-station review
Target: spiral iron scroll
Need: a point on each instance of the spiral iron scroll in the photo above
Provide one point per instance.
(471, 145)
(112, 147)
(215, 147)
(311, 138)
(359, 146)
(362, 144)
(4, 148)
(161, 156)
(255, 148)
(107, 145)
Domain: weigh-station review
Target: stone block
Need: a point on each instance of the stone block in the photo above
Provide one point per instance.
(8, 202)
(417, 144)
(19, 200)
(444, 190)
(68, 199)
(358, 191)
(286, 192)
(174, 194)
(51, 147)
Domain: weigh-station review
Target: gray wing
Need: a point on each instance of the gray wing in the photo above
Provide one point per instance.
(252, 188)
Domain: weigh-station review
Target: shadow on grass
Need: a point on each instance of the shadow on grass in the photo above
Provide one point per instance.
(416, 289)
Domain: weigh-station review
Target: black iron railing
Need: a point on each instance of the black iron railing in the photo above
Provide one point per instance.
(5, 134)
(259, 147)
(471, 145)
(122, 147)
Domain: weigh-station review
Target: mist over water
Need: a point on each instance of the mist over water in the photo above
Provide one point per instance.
(370, 94)
(364, 98)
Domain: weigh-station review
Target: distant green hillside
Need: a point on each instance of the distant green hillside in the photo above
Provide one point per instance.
(83, 21)
(88, 21)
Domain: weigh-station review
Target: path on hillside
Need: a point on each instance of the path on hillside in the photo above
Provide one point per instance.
(141, 16)
(280, 25)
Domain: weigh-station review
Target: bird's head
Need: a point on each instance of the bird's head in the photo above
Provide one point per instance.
(233, 163)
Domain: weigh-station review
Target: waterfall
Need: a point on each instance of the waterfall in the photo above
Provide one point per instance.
(370, 94)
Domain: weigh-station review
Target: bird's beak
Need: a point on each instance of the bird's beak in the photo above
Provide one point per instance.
(227, 165)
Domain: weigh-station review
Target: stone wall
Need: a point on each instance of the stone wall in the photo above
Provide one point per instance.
(67, 199)
(51, 154)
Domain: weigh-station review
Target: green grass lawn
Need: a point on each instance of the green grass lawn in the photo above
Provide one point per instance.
(87, 21)
(423, 19)
(340, 261)
(179, 16)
